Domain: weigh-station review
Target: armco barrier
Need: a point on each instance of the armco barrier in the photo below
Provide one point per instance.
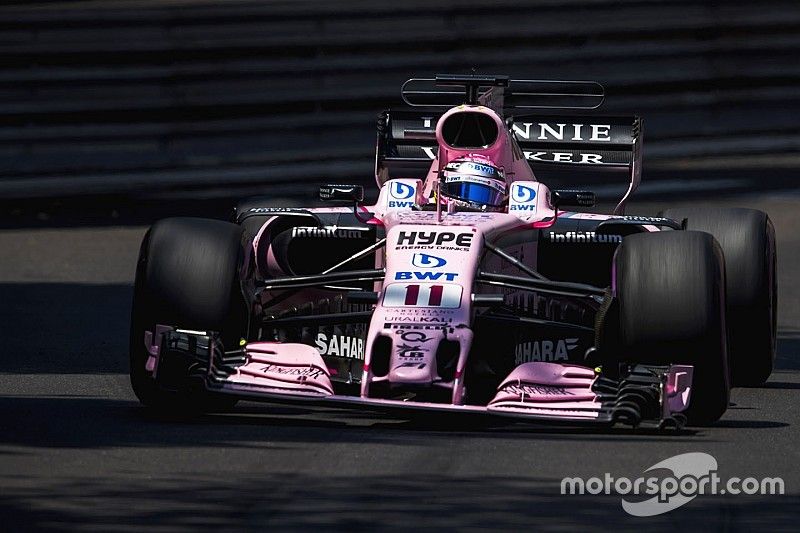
(131, 96)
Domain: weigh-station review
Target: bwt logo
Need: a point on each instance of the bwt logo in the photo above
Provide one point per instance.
(401, 191)
(521, 193)
(425, 276)
(522, 197)
(399, 194)
(427, 261)
(485, 169)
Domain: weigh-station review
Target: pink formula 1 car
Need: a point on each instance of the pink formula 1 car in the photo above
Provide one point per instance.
(467, 286)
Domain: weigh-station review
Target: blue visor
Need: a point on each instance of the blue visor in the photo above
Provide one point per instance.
(473, 192)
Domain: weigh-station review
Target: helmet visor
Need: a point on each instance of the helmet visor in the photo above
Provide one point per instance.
(472, 191)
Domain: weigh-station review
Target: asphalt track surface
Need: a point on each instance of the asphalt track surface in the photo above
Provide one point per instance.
(78, 452)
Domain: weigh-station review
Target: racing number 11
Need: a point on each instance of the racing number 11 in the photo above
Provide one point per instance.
(444, 295)
(434, 295)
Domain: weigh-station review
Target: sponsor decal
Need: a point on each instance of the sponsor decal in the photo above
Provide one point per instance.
(425, 276)
(522, 193)
(421, 260)
(497, 185)
(429, 151)
(302, 372)
(537, 390)
(340, 346)
(412, 352)
(485, 170)
(402, 314)
(522, 198)
(427, 240)
(275, 210)
(418, 323)
(401, 195)
(412, 347)
(637, 218)
(583, 237)
(415, 336)
(558, 350)
(401, 191)
(411, 364)
(452, 218)
(445, 295)
(329, 231)
(565, 157)
(541, 131)
(585, 158)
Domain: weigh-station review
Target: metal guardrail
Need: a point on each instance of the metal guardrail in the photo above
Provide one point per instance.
(132, 96)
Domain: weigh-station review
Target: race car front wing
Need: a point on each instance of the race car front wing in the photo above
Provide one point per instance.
(635, 395)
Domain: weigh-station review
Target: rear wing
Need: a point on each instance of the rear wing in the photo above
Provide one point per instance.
(560, 138)
(553, 144)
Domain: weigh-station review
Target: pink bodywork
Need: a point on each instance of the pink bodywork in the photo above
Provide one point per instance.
(440, 306)
(286, 369)
(548, 389)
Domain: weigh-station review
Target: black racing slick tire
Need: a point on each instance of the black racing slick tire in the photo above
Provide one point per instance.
(186, 276)
(747, 238)
(670, 290)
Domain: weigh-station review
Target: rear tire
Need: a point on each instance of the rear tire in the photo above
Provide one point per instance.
(186, 276)
(670, 289)
(747, 238)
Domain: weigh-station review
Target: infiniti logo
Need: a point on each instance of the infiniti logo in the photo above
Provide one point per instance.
(522, 194)
(427, 261)
(401, 191)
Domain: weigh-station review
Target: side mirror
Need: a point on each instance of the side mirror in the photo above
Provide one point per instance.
(573, 199)
(341, 193)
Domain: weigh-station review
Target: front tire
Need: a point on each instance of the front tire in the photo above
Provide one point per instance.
(670, 290)
(186, 276)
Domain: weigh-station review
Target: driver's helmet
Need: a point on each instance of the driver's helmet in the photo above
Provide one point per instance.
(474, 181)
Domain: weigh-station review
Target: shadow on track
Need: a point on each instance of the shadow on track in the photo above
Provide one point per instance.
(68, 328)
(305, 501)
(95, 423)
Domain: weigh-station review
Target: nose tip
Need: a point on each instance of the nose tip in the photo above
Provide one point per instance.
(411, 372)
